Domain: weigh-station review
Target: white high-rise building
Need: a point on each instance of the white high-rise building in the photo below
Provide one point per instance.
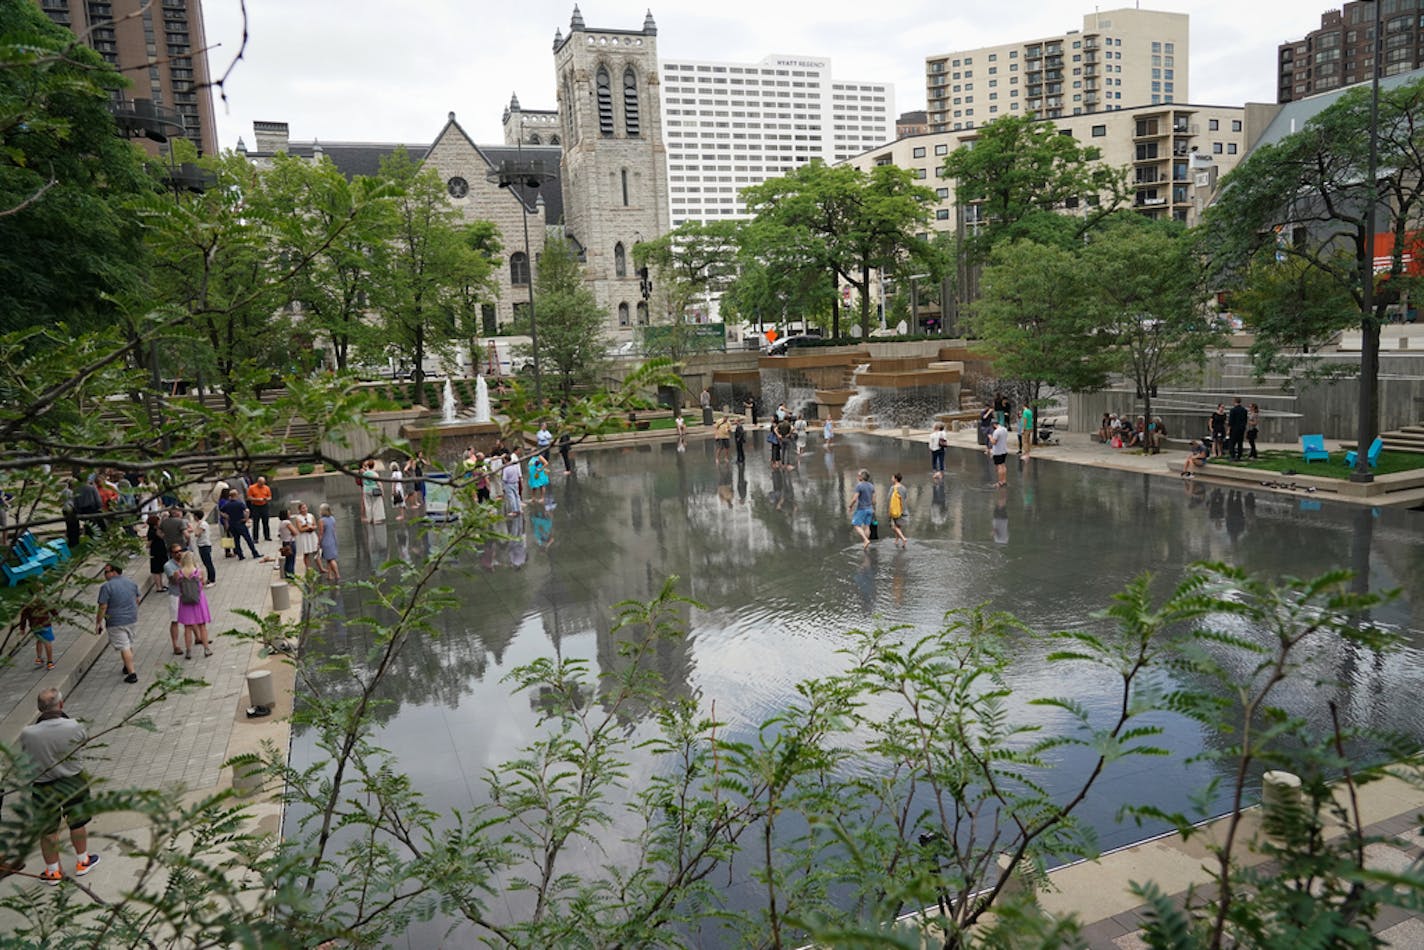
(730, 125)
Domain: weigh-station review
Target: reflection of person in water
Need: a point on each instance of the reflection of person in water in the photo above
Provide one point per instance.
(865, 578)
(541, 525)
(1001, 516)
(1235, 515)
(515, 549)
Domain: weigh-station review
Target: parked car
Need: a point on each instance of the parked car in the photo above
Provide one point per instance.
(787, 343)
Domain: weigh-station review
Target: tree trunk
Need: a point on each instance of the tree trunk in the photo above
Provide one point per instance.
(835, 306)
(417, 374)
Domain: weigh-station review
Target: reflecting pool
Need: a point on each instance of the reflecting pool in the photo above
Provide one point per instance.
(780, 576)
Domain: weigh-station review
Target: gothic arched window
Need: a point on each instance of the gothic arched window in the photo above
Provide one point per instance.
(623, 314)
(642, 313)
(630, 101)
(624, 177)
(534, 138)
(553, 140)
(605, 102)
(620, 261)
(519, 269)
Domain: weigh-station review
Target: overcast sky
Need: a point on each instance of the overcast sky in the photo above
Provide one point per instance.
(362, 70)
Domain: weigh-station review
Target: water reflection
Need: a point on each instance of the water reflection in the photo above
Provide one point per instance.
(770, 556)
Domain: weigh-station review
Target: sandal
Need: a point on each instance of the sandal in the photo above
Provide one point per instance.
(176, 651)
(50, 665)
(188, 655)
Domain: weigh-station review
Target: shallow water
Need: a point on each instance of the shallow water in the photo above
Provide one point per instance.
(780, 576)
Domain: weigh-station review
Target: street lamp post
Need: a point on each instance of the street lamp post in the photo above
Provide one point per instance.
(531, 175)
(1369, 325)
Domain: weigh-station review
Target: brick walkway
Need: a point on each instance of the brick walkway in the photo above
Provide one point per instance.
(193, 734)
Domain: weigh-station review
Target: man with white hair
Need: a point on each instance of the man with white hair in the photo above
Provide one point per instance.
(54, 743)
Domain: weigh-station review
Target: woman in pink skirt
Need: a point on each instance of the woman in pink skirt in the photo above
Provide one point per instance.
(193, 616)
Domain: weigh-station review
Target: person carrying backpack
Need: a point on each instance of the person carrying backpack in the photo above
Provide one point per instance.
(896, 509)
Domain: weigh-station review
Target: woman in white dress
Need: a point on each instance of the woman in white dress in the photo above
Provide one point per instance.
(397, 490)
(305, 523)
(373, 495)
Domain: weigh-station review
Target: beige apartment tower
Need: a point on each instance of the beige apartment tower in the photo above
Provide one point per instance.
(159, 46)
(1119, 59)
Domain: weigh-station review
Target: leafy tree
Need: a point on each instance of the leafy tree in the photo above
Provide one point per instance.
(687, 264)
(1291, 309)
(213, 265)
(429, 268)
(859, 222)
(309, 201)
(70, 247)
(1146, 288)
(571, 323)
(1020, 175)
(1308, 196)
(1036, 318)
(780, 278)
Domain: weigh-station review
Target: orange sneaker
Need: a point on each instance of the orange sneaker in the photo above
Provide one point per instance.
(51, 877)
(85, 864)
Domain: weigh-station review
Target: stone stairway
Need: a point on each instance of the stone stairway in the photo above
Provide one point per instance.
(1406, 439)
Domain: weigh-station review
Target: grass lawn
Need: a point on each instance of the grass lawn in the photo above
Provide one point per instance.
(1282, 462)
(692, 422)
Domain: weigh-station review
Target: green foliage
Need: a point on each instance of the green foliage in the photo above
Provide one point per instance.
(952, 812)
(1291, 308)
(847, 223)
(1021, 174)
(1036, 318)
(65, 175)
(1147, 290)
(1307, 198)
(571, 323)
(686, 265)
(429, 280)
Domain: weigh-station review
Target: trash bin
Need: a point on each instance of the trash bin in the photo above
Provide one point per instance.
(260, 689)
(281, 596)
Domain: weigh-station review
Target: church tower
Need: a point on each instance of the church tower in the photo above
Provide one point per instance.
(614, 164)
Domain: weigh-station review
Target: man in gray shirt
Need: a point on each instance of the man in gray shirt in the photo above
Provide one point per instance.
(118, 609)
(170, 575)
(54, 744)
(174, 529)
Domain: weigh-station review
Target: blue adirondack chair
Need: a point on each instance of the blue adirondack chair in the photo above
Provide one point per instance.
(1313, 448)
(1371, 457)
(28, 548)
(14, 573)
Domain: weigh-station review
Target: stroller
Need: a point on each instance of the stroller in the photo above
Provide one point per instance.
(1047, 434)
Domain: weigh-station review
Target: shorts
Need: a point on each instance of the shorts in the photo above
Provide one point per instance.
(724, 443)
(173, 607)
(121, 635)
(999, 459)
(776, 451)
(62, 799)
(45, 633)
(862, 517)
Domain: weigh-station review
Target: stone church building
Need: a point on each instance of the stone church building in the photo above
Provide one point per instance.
(600, 161)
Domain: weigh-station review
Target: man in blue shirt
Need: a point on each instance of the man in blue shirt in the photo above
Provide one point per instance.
(118, 611)
(235, 520)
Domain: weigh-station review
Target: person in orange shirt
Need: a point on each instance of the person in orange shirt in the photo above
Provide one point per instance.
(259, 500)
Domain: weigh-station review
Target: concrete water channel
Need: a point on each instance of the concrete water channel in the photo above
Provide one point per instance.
(771, 557)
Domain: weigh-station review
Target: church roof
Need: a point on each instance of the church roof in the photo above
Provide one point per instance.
(350, 158)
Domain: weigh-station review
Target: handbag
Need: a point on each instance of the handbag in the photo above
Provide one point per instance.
(286, 550)
(874, 530)
(228, 543)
